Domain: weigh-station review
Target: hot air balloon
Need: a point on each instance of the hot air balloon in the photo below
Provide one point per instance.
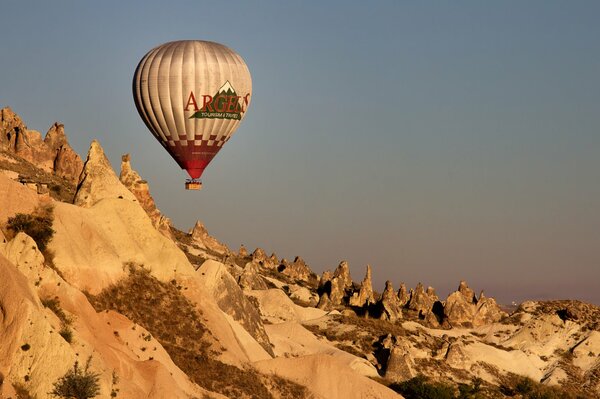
(192, 96)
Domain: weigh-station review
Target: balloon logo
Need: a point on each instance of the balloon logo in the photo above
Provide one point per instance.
(192, 96)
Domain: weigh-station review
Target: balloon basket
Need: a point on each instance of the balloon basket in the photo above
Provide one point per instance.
(193, 185)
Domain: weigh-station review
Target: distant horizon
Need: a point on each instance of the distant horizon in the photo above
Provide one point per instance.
(436, 143)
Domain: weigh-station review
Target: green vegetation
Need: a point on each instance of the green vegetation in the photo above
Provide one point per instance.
(524, 387)
(37, 225)
(419, 387)
(77, 383)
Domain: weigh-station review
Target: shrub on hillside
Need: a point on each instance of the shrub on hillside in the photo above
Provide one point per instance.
(37, 226)
(419, 387)
(77, 383)
(66, 321)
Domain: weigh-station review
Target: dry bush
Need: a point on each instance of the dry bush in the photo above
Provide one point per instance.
(66, 321)
(174, 321)
(37, 225)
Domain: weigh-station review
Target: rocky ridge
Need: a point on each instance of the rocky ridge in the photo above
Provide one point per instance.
(208, 322)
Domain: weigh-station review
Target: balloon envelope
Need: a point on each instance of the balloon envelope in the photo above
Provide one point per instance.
(192, 96)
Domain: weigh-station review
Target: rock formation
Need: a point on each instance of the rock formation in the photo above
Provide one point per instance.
(365, 295)
(400, 365)
(52, 154)
(231, 300)
(132, 180)
(204, 240)
(463, 308)
(242, 252)
(98, 180)
(403, 296)
(67, 163)
(259, 256)
(273, 259)
(250, 279)
(421, 301)
(297, 269)
(342, 272)
(334, 288)
(391, 309)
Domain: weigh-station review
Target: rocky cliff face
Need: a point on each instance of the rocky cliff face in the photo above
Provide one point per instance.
(52, 154)
(134, 183)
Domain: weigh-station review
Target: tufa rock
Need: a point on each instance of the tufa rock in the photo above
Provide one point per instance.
(468, 293)
(342, 272)
(331, 290)
(231, 300)
(297, 270)
(365, 295)
(132, 180)
(53, 154)
(391, 309)
(462, 308)
(250, 279)
(200, 236)
(487, 312)
(99, 181)
(400, 365)
(273, 259)
(421, 301)
(259, 256)
(456, 356)
(243, 252)
(403, 296)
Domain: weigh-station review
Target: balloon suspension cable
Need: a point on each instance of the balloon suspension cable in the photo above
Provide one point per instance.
(193, 184)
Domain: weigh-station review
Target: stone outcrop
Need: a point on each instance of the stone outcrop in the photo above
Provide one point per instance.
(231, 300)
(456, 356)
(403, 296)
(66, 163)
(365, 296)
(422, 301)
(400, 365)
(298, 269)
(273, 259)
(333, 288)
(53, 154)
(259, 256)
(391, 309)
(342, 272)
(132, 180)
(242, 252)
(99, 181)
(204, 240)
(487, 311)
(250, 279)
(462, 308)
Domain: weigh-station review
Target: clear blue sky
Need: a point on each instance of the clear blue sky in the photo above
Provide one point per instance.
(434, 140)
